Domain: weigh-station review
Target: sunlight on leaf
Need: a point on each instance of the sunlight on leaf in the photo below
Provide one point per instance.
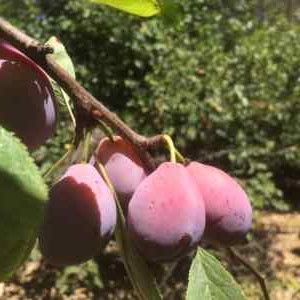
(143, 8)
(208, 280)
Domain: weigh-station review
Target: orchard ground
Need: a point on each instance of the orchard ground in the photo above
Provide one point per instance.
(274, 250)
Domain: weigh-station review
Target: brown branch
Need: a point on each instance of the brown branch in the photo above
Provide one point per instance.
(83, 100)
(258, 276)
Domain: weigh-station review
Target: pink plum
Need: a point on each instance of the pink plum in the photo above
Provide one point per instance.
(166, 214)
(228, 209)
(123, 166)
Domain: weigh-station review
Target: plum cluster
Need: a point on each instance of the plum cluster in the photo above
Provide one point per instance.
(168, 212)
(27, 99)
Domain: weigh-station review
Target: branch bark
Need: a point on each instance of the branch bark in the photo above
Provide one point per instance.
(83, 100)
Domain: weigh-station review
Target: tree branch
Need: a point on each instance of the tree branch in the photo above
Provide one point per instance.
(83, 100)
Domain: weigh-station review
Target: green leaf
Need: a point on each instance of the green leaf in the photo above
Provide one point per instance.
(61, 56)
(23, 194)
(143, 8)
(208, 280)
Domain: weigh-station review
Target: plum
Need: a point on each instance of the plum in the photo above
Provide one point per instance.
(123, 166)
(166, 215)
(79, 218)
(27, 99)
(228, 209)
(9, 52)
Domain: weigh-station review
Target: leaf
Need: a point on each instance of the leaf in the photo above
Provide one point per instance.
(61, 57)
(143, 8)
(208, 280)
(137, 269)
(23, 194)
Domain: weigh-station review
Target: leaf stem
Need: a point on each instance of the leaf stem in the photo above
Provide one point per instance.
(246, 264)
(70, 112)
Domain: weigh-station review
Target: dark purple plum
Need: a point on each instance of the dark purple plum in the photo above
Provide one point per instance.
(123, 166)
(228, 209)
(27, 100)
(79, 219)
(10, 53)
(166, 214)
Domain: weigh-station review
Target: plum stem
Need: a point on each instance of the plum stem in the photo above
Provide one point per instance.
(86, 145)
(58, 163)
(246, 264)
(171, 147)
(107, 131)
(180, 156)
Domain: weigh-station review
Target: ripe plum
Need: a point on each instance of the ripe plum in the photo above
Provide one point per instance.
(123, 166)
(80, 217)
(228, 209)
(27, 99)
(166, 215)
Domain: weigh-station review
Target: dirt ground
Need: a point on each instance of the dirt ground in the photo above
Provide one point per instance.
(273, 249)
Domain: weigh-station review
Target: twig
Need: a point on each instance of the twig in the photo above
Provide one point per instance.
(83, 100)
(258, 276)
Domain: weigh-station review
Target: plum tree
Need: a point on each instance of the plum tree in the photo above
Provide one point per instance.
(79, 217)
(166, 214)
(123, 166)
(27, 100)
(228, 209)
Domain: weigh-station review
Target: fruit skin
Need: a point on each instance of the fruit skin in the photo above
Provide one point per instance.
(79, 219)
(228, 209)
(27, 99)
(166, 215)
(123, 166)
(9, 52)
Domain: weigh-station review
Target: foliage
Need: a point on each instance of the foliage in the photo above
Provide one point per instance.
(144, 8)
(23, 195)
(208, 280)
